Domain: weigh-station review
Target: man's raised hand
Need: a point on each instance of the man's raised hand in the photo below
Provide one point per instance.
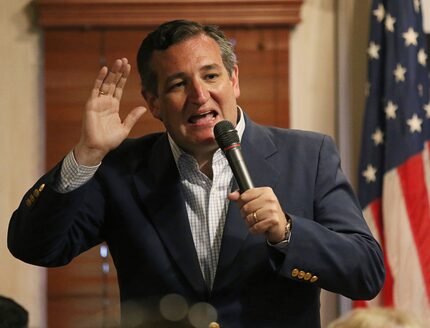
(102, 127)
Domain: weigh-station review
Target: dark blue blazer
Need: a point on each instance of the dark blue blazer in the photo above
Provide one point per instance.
(135, 204)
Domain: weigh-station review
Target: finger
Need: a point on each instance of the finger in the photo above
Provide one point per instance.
(122, 71)
(252, 219)
(252, 194)
(99, 80)
(133, 117)
(259, 198)
(263, 225)
(252, 206)
(121, 82)
(125, 70)
(109, 83)
(234, 196)
(242, 198)
(260, 227)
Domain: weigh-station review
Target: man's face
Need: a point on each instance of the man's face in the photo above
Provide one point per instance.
(195, 92)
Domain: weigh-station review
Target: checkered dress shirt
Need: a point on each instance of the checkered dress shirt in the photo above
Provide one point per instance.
(205, 199)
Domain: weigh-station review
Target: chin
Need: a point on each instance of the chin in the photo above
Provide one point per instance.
(208, 143)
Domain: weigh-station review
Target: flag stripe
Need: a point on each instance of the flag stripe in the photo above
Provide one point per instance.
(409, 291)
(426, 159)
(387, 292)
(416, 197)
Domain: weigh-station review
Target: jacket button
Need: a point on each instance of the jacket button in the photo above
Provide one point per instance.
(294, 272)
(36, 192)
(42, 186)
(307, 276)
(214, 325)
(28, 202)
(314, 278)
(301, 275)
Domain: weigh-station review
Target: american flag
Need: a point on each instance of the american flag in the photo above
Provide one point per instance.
(394, 171)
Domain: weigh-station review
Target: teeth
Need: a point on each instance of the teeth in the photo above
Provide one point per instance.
(195, 118)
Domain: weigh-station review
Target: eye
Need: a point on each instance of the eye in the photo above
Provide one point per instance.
(176, 85)
(211, 76)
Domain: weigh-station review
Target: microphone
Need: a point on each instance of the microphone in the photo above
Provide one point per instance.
(228, 140)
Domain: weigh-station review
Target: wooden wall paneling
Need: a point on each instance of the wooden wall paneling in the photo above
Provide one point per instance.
(70, 59)
(96, 13)
(281, 77)
(263, 61)
(78, 294)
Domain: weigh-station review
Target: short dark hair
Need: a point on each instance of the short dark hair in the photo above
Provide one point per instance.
(171, 33)
(12, 315)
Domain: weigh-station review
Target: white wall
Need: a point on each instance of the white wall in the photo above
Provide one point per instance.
(21, 146)
(312, 68)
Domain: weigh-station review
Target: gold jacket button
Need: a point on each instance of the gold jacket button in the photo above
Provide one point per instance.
(36, 192)
(301, 275)
(294, 272)
(28, 202)
(42, 186)
(307, 276)
(214, 324)
(314, 278)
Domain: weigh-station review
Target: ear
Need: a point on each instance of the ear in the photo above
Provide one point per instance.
(235, 80)
(153, 103)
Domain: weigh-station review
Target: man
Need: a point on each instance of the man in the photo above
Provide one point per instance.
(165, 206)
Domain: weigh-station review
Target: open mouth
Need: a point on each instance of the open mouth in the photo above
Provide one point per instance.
(203, 118)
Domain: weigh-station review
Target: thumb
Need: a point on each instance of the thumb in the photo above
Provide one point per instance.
(234, 196)
(134, 116)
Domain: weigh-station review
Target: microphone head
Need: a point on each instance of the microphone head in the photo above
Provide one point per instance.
(225, 134)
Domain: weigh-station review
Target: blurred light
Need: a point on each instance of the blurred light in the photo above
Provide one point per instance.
(103, 251)
(202, 314)
(133, 314)
(105, 267)
(173, 307)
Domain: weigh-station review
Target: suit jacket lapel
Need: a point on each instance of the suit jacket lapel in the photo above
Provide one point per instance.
(159, 186)
(257, 150)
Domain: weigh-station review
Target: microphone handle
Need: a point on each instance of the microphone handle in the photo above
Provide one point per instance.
(238, 166)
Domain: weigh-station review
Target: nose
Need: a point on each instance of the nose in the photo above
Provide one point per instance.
(198, 92)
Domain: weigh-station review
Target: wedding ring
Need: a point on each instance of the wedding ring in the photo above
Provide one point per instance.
(254, 215)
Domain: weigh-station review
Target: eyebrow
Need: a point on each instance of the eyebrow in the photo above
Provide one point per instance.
(209, 67)
(180, 75)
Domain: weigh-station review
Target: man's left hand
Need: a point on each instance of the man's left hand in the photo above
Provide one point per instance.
(262, 212)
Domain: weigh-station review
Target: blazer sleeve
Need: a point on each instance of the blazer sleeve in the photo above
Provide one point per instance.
(51, 228)
(334, 249)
